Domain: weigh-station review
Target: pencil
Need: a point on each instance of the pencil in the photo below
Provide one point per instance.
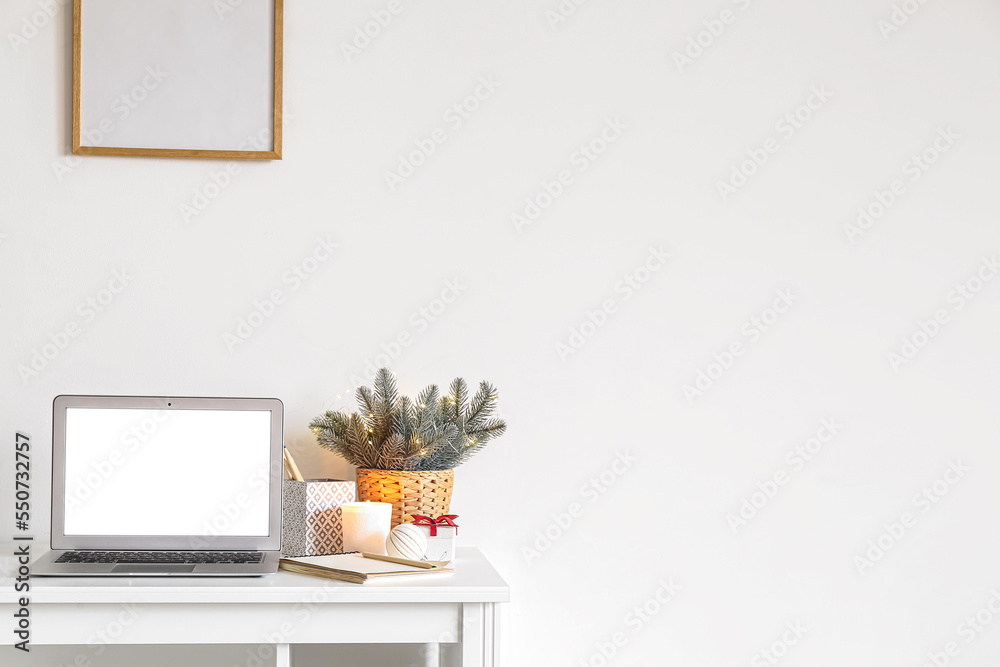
(399, 561)
(296, 475)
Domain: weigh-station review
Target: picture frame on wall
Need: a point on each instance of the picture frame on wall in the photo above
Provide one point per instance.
(178, 78)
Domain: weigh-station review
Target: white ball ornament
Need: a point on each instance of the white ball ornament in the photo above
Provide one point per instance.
(406, 541)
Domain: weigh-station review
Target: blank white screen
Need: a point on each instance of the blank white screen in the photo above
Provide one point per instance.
(176, 73)
(167, 472)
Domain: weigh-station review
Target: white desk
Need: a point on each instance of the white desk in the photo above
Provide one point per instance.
(272, 613)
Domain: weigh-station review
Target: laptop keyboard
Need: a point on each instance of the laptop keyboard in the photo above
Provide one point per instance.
(199, 557)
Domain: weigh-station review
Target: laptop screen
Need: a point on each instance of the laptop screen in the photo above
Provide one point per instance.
(183, 471)
(159, 472)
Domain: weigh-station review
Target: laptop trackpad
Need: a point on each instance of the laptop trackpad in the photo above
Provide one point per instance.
(153, 568)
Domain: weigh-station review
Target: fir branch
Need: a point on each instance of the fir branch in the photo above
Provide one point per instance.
(394, 432)
(482, 405)
(492, 428)
(459, 397)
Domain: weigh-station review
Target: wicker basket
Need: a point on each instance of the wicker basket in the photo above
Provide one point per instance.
(426, 492)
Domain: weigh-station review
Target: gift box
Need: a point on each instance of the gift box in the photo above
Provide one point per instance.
(441, 533)
(311, 516)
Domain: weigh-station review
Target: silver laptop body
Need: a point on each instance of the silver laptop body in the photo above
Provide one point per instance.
(155, 486)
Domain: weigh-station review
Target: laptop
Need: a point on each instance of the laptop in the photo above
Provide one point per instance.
(149, 486)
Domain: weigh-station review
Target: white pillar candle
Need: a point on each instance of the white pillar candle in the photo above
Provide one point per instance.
(366, 526)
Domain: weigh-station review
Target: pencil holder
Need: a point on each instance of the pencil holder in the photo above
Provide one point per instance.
(311, 516)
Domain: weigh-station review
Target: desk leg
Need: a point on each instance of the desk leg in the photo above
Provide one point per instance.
(480, 632)
(283, 655)
(432, 655)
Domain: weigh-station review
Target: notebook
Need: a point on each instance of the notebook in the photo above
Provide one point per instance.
(164, 486)
(356, 569)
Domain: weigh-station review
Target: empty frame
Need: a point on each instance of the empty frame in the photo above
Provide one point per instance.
(177, 78)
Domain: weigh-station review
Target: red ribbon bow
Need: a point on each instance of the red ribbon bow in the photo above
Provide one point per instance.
(443, 520)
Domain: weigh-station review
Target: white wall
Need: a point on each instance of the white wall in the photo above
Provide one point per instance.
(665, 518)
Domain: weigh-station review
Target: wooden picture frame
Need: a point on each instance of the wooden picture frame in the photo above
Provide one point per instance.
(178, 78)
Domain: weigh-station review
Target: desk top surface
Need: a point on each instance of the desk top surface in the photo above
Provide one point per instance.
(474, 580)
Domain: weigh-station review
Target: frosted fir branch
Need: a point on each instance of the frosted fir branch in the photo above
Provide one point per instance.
(394, 432)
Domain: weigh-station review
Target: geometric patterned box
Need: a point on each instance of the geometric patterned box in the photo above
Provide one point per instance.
(311, 517)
